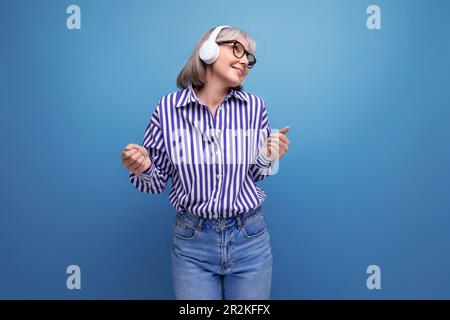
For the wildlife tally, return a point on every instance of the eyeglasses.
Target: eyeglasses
(239, 51)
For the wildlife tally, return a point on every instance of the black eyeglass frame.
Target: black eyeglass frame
(234, 42)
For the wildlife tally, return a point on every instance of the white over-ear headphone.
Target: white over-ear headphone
(209, 51)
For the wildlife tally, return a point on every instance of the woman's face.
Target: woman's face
(229, 69)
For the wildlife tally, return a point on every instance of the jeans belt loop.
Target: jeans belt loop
(239, 221)
(199, 226)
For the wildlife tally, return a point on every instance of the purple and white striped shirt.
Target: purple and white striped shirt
(214, 161)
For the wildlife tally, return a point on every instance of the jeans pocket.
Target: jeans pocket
(184, 230)
(255, 226)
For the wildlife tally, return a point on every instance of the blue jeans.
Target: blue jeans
(217, 259)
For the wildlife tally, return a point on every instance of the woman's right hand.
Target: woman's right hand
(135, 158)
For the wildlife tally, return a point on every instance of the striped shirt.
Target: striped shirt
(214, 161)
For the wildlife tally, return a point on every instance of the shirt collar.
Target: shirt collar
(188, 95)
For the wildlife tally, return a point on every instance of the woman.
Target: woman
(215, 142)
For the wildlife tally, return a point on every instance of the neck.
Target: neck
(212, 93)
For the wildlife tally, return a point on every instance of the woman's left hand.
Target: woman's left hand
(277, 144)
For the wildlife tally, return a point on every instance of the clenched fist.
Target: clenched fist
(135, 158)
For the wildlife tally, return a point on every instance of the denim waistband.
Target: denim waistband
(199, 221)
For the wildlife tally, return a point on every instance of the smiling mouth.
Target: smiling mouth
(241, 72)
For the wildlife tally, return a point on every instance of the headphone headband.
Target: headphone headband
(216, 32)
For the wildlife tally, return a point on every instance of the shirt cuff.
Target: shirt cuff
(149, 172)
(263, 161)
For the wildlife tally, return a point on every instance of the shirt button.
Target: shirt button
(219, 176)
(218, 152)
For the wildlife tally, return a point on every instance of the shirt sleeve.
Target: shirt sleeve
(262, 166)
(154, 179)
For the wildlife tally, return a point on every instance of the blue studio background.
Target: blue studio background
(365, 181)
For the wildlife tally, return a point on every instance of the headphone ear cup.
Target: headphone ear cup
(209, 52)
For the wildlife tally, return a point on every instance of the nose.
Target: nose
(244, 60)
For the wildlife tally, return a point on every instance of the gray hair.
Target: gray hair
(194, 72)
